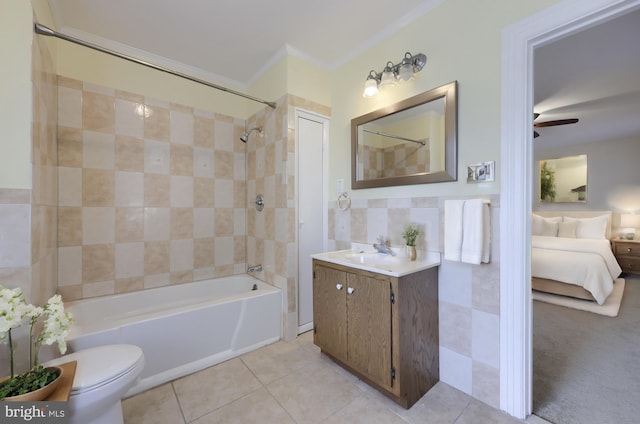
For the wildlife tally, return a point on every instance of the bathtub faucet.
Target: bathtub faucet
(255, 268)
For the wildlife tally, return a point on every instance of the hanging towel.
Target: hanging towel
(476, 232)
(453, 229)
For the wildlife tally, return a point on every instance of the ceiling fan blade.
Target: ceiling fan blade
(554, 123)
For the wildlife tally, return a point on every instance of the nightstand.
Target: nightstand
(627, 253)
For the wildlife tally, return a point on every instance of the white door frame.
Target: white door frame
(518, 43)
(324, 120)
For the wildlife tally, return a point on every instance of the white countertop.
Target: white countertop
(366, 258)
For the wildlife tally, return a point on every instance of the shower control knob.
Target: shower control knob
(339, 286)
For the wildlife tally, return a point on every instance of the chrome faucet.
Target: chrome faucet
(382, 246)
(255, 268)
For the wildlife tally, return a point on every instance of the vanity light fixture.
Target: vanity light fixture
(392, 74)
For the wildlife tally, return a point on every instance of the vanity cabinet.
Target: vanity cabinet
(384, 329)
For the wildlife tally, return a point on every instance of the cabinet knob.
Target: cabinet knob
(628, 250)
(339, 286)
(350, 290)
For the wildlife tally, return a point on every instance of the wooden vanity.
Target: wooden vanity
(382, 328)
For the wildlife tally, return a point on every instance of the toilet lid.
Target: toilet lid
(98, 365)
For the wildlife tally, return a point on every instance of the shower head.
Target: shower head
(244, 137)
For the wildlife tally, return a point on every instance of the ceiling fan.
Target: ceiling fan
(550, 123)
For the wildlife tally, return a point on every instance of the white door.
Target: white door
(312, 133)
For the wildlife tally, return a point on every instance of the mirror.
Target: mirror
(563, 180)
(413, 141)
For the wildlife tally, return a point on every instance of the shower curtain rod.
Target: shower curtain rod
(394, 136)
(43, 30)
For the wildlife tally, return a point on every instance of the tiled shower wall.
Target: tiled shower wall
(28, 216)
(151, 193)
(469, 295)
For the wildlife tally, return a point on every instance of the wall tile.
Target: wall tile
(156, 122)
(98, 263)
(69, 186)
(182, 191)
(157, 224)
(98, 150)
(182, 124)
(157, 190)
(98, 225)
(203, 222)
(129, 154)
(98, 187)
(129, 260)
(69, 226)
(486, 338)
(129, 189)
(129, 118)
(129, 224)
(98, 112)
(156, 157)
(69, 147)
(156, 259)
(181, 223)
(181, 255)
(69, 266)
(181, 160)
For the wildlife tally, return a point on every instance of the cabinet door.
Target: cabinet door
(329, 311)
(369, 327)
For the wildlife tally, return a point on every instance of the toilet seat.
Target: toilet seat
(101, 365)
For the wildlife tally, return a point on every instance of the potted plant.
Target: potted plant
(410, 234)
(36, 383)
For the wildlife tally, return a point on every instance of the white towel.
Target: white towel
(453, 229)
(476, 232)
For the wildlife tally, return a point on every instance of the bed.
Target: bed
(571, 254)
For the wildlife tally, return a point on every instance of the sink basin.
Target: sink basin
(373, 261)
(373, 258)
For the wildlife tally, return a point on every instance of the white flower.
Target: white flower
(13, 310)
(57, 324)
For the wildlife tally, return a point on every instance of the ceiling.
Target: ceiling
(234, 41)
(593, 75)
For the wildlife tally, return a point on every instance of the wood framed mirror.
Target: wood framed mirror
(413, 141)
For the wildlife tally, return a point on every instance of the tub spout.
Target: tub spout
(255, 268)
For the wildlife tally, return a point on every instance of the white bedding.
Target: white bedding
(585, 262)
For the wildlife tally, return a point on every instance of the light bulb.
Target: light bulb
(370, 88)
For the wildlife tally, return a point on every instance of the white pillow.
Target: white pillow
(550, 229)
(567, 229)
(537, 224)
(590, 228)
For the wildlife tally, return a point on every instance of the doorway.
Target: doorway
(518, 42)
(312, 140)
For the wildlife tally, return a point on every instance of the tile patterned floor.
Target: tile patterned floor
(293, 383)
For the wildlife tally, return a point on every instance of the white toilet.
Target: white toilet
(103, 375)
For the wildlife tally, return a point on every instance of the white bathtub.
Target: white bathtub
(182, 328)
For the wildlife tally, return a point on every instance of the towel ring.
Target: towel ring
(344, 201)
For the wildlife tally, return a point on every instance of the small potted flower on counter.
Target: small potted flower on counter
(410, 234)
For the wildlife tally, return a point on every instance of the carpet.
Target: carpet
(610, 307)
(586, 367)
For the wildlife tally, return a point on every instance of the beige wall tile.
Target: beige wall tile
(223, 193)
(99, 288)
(203, 132)
(129, 224)
(203, 192)
(224, 139)
(203, 252)
(70, 147)
(69, 226)
(156, 123)
(224, 222)
(98, 112)
(98, 187)
(202, 162)
(156, 258)
(223, 251)
(181, 160)
(181, 277)
(98, 263)
(69, 186)
(126, 285)
(69, 266)
(181, 255)
(69, 107)
(129, 154)
(223, 165)
(181, 223)
(69, 293)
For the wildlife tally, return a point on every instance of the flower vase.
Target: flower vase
(411, 253)
(39, 394)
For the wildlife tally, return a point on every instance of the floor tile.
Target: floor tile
(313, 393)
(481, 413)
(441, 405)
(277, 360)
(209, 389)
(257, 407)
(364, 410)
(155, 406)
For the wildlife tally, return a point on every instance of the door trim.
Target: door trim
(518, 43)
(325, 121)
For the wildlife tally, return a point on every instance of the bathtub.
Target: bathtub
(181, 328)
